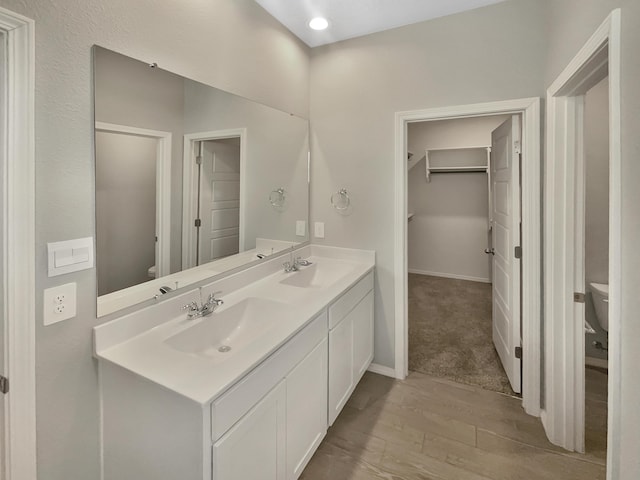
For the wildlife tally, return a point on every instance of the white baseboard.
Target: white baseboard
(382, 370)
(596, 362)
(449, 275)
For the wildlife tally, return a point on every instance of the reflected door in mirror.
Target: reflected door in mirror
(219, 200)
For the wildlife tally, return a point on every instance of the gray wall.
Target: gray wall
(569, 25)
(277, 149)
(492, 53)
(596, 130)
(129, 93)
(596, 126)
(449, 230)
(232, 44)
(125, 210)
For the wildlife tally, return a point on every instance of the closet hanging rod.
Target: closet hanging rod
(479, 147)
(471, 169)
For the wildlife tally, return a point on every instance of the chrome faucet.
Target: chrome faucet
(295, 265)
(207, 308)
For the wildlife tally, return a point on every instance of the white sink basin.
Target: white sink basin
(230, 329)
(317, 275)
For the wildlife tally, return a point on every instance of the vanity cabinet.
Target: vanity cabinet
(265, 426)
(350, 342)
(276, 439)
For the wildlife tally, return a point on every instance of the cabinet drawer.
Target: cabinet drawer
(232, 405)
(341, 307)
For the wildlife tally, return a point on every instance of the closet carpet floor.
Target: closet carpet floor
(426, 428)
(450, 332)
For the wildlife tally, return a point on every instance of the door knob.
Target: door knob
(490, 251)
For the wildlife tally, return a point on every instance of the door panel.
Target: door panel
(255, 445)
(505, 191)
(219, 233)
(306, 409)
(341, 368)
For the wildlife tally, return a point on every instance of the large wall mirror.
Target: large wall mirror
(191, 181)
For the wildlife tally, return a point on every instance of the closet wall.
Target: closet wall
(448, 231)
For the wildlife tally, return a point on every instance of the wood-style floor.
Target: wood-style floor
(425, 428)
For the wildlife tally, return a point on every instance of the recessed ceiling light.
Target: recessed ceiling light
(319, 23)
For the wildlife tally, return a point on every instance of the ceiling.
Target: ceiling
(353, 18)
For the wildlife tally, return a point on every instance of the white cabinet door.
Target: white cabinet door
(350, 353)
(363, 335)
(254, 448)
(341, 381)
(306, 409)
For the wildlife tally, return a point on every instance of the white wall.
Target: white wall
(569, 25)
(492, 53)
(232, 44)
(449, 230)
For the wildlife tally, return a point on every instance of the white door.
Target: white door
(505, 191)
(219, 232)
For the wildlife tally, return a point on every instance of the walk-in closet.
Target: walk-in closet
(450, 251)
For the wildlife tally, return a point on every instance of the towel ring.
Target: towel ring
(277, 197)
(340, 200)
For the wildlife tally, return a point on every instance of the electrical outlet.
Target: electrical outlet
(319, 230)
(59, 303)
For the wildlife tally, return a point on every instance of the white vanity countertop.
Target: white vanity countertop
(202, 378)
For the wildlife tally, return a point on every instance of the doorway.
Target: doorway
(529, 110)
(574, 286)
(460, 324)
(143, 157)
(213, 191)
(17, 201)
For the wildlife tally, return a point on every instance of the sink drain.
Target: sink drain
(224, 349)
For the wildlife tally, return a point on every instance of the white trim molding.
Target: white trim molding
(163, 188)
(563, 416)
(19, 248)
(190, 184)
(382, 370)
(531, 236)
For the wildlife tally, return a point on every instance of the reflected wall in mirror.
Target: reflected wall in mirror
(186, 175)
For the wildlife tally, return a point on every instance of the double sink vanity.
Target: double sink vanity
(247, 391)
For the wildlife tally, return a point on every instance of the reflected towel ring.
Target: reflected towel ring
(340, 200)
(277, 197)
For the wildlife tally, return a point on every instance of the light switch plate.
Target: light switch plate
(319, 230)
(70, 256)
(59, 303)
(301, 228)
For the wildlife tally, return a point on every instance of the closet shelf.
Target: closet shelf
(483, 150)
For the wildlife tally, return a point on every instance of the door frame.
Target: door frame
(163, 188)
(530, 109)
(18, 202)
(563, 416)
(189, 183)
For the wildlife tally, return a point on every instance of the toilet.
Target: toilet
(600, 294)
